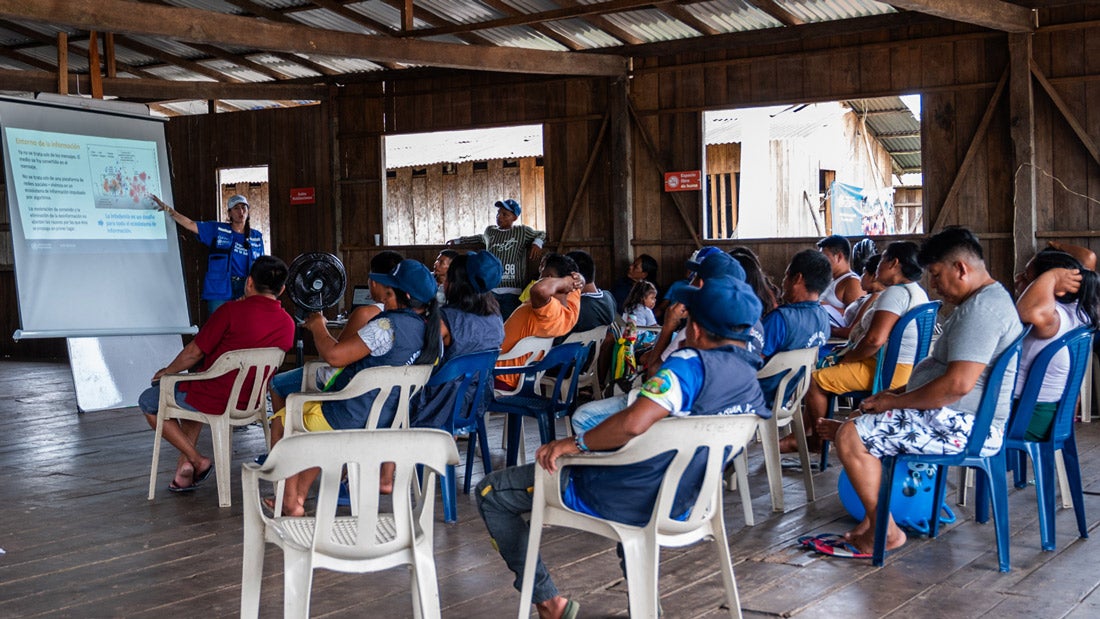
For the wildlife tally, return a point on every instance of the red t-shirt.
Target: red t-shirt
(252, 322)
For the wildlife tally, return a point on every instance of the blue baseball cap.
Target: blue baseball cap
(236, 200)
(509, 205)
(719, 264)
(412, 277)
(484, 270)
(701, 254)
(724, 306)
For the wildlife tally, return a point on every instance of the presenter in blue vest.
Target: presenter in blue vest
(713, 374)
(234, 246)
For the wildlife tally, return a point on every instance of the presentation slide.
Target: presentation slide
(79, 187)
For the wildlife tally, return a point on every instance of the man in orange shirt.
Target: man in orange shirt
(552, 311)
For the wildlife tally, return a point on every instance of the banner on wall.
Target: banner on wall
(859, 212)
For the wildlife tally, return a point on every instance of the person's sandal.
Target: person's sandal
(572, 610)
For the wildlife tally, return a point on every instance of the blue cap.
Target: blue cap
(724, 306)
(484, 270)
(509, 205)
(412, 277)
(236, 200)
(700, 255)
(720, 264)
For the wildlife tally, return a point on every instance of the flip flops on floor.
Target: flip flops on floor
(195, 481)
(832, 544)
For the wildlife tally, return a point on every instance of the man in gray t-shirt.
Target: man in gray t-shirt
(934, 413)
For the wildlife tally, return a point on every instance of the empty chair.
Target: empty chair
(565, 362)
(793, 365)
(720, 435)
(254, 368)
(368, 542)
(925, 318)
(991, 485)
(590, 375)
(469, 382)
(1078, 343)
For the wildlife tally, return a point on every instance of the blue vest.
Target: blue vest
(807, 326)
(628, 493)
(218, 235)
(408, 340)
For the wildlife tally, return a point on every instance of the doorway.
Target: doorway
(250, 182)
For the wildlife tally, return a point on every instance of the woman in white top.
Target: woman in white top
(1056, 295)
(898, 271)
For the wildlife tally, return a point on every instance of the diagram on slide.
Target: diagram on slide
(123, 177)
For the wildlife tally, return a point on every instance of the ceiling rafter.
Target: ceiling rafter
(540, 28)
(165, 90)
(436, 20)
(27, 59)
(43, 39)
(993, 14)
(516, 18)
(354, 16)
(681, 13)
(603, 24)
(193, 25)
(163, 56)
(771, 7)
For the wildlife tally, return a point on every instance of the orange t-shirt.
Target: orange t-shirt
(551, 320)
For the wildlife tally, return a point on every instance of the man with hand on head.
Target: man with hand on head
(256, 321)
(512, 244)
(713, 374)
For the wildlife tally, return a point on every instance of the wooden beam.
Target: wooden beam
(1021, 101)
(172, 59)
(603, 24)
(437, 20)
(165, 90)
(44, 39)
(62, 63)
(1067, 113)
(94, 71)
(622, 171)
(781, 14)
(408, 16)
(542, 29)
(123, 16)
(993, 14)
(515, 18)
(680, 13)
(356, 17)
(109, 54)
(951, 201)
(588, 167)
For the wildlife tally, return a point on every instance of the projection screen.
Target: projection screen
(93, 256)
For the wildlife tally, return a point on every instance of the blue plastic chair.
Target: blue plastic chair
(925, 317)
(474, 371)
(992, 467)
(565, 362)
(1079, 344)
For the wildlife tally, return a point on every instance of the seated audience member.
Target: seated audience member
(801, 322)
(597, 306)
(861, 251)
(256, 321)
(552, 311)
(644, 267)
(899, 272)
(285, 383)
(639, 305)
(1056, 295)
(934, 413)
(407, 332)
(844, 287)
(1084, 255)
(762, 285)
(854, 313)
(512, 244)
(471, 323)
(439, 270)
(712, 375)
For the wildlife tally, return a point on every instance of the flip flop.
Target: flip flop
(172, 487)
(841, 549)
(201, 477)
(807, 541)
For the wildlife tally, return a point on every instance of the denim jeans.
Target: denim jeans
(590, 415)
(503, 498)
(149, 400)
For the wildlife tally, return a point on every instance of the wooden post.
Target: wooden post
(622, 182)
(1021, 101)
(407, 14)
(62, 63)
(109, 54)
(93, 65)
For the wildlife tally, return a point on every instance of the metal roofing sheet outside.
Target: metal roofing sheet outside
(420, 149)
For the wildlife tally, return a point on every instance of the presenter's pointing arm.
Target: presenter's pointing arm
(178, 217)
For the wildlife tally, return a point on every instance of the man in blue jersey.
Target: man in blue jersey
(714, 374)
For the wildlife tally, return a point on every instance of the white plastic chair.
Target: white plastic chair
(533, 348)
(641, 545)
(369, 542)
(260, 363)
(787, 411)
(590, 377)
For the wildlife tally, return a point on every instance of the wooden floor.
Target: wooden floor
(81, 540)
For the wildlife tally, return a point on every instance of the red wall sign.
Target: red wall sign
(683, 181)
(303, 195)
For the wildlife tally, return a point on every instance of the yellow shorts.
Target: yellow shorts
(856, 376)
(312, 417)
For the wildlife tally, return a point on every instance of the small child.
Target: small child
(639, 304)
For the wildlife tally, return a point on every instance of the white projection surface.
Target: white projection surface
(93, 256)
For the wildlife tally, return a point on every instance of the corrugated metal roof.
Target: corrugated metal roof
(895, 122)
(830, 10)
(420, 149)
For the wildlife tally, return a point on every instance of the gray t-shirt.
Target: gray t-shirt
(978, 330)
(898, 300)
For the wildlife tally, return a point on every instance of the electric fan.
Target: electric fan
(316, 281)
